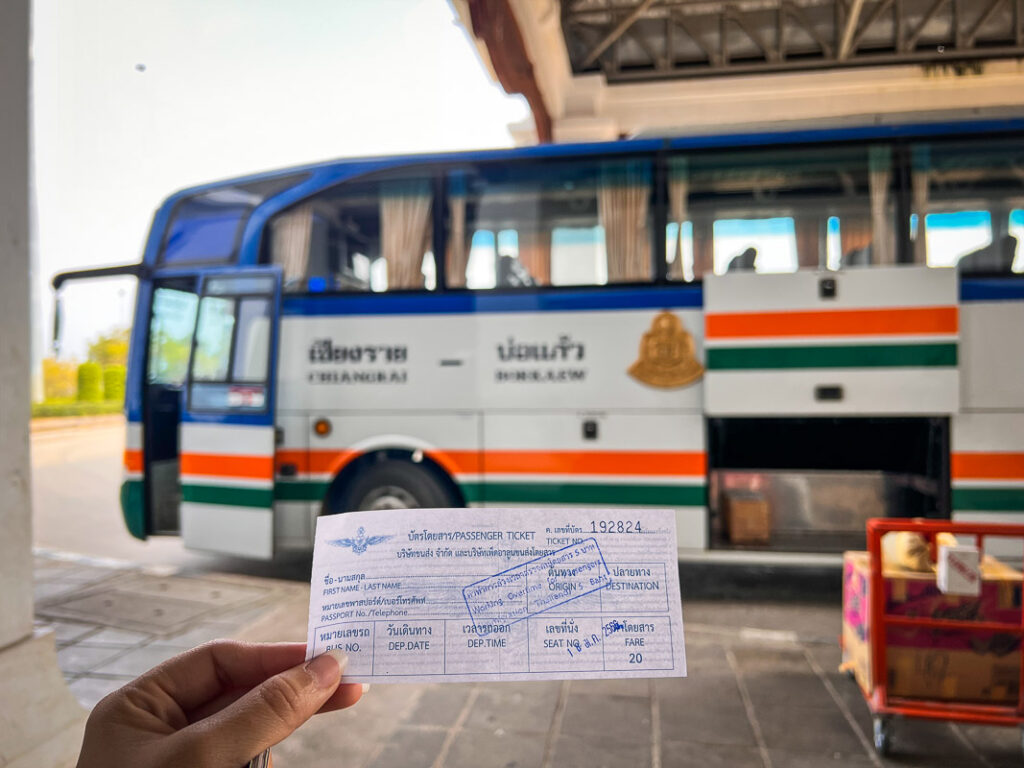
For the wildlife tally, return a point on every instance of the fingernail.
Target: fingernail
(339, 656)
(327, 668)
(366, 687)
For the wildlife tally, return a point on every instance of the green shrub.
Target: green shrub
(113, 383)
(90, 382)
(50, 408)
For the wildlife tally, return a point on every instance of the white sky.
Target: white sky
(229, 87)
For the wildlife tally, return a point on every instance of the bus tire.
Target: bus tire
(394, 484)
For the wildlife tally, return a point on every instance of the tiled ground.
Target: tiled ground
(763, 687)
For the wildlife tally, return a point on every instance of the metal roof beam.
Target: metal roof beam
(925, 20)
(616, 33)
(881, 8)
(797, 14)
(769, 51)
(680, 21)
(845, 46)
(972, 34)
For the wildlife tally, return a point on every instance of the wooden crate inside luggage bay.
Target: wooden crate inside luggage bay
(748, 518)
(931, 664)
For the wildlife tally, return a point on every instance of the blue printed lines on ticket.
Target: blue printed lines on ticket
(536, 586)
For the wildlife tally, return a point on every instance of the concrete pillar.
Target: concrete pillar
(40, 722)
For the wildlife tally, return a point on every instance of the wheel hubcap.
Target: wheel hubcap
(389, 497)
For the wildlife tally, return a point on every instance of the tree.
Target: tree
(60, 379)
(110, 348)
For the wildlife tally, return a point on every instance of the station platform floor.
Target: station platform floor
(763, 688)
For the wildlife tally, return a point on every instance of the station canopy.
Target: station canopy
(635, 40)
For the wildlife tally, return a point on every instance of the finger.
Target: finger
(269, 712)
(197, 676)
(346, 695)
(343, 698)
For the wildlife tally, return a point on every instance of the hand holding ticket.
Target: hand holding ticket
(459, 595)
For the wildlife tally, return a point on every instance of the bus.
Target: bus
(776, 335)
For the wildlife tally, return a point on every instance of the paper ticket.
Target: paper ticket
(460, 595)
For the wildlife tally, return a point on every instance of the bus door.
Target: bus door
(151, 448)
(227, 415)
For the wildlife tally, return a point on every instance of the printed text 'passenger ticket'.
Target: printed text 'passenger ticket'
(498, 594)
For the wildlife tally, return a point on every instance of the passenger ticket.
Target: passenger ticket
(459, 595)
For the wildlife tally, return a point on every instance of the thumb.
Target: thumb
(273, 710)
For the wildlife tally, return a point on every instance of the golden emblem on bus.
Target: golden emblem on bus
(668, 356)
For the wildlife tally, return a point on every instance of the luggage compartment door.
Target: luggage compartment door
(881, 340)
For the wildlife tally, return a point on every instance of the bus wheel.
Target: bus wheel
(395, 485)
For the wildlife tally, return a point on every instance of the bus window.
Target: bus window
(1017, 230)
(578, 256)
(170, 336)
(252, 347)
(965, 201)
(764, 245)
(560, 223)
(951, 236)
(363, 235)
(207, 227)
(213, 339)
(779, 211)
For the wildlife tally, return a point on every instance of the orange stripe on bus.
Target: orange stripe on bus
(459, 462)
(316, 462)
(521, 462)
(842, 322)
(133, 460)
(579, 462)
(217, 465)
(988, 466)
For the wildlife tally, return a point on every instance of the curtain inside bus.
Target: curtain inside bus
(291, 237)
(405, 230)
(623, 198)
(457, 257)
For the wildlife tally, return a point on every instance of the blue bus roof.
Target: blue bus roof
(628, 146)
(319, 176)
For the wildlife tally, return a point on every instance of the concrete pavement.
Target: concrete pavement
(76, 477)
(763, 689)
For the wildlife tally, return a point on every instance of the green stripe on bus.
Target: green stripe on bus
(300, 490)
(989, 499)
(586, 493)
(853, 356)
(133, 507)
(228, 495)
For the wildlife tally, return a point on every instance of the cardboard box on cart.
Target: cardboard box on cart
(935, 664)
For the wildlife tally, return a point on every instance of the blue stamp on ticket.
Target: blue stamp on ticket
(536, 586)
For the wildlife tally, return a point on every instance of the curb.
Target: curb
(54, 423)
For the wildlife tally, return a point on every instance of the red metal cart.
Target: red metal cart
(883, 706)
